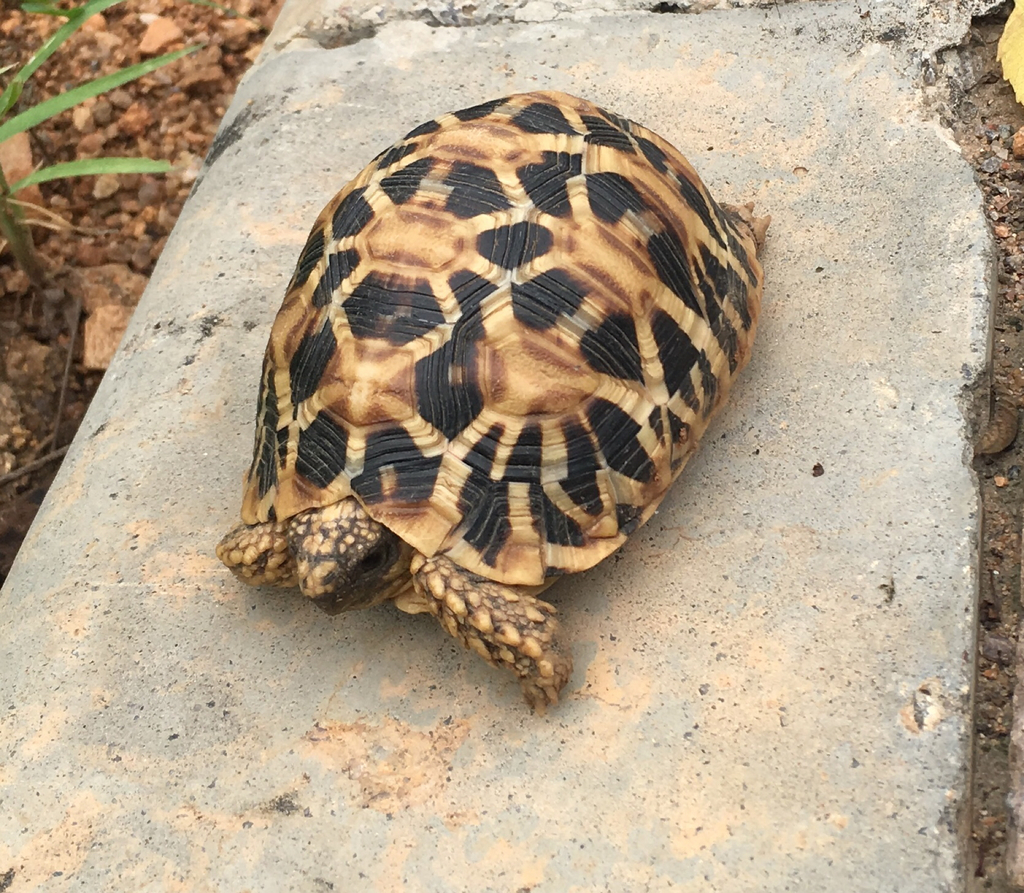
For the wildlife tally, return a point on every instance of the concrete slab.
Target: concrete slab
(772, 681)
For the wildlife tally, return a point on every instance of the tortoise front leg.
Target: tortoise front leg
(506, 625)
(258, 554)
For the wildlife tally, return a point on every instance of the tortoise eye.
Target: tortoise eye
(373, 560)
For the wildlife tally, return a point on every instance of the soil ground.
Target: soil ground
(99, 239)
(986, 121)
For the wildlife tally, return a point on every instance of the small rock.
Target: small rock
(1018, 144)
(16, 162)
(165, 219)
(135, 120)
(236, 33)
(89, 146)
(1000, 481)
(109, 284)
(102, 112)
(13, 21)
(990, 165)
(119, 252)
(150, 193)
(208, 75)
(106, 185)
(161, 33)
(87, 255)
(102, 332)
(95, 23)
(142, 258)
(1002, 231)
(25, 364)
(997, 649)
(106, 42)
(10, 414)
(192, 169)
(81, 117)
(15, 280)
(967, 110)
(119, 98)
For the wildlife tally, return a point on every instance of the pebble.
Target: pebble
(26, 366)
(81, 117)
(102, 112)
(142, 258)
(109, 284)
(13, 21)
(95, 22)
(88, 255)
(16, 162)
(150, 193)
(119, 98)
(1018, 144)
(235, 33)
(106, 42)
(106, 185)
(997, 649)
(90, 144)
(101, 334)
(205, 76)
(135, 119)
(991, 164)
(160, 33)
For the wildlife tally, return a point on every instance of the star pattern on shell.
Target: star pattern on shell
(505, 337)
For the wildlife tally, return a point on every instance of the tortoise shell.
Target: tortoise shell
(505, 338)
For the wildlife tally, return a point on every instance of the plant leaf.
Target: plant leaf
(29, 118)
(76, 17)
(43, 8)
(1011, 51)
(88, 166)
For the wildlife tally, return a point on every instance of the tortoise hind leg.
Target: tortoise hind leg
(506, 625)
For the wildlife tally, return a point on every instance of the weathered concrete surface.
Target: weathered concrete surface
(772, 678)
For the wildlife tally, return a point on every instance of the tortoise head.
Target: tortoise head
(755, 228)
(345, 560)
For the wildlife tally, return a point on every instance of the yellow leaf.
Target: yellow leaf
(1011, 51)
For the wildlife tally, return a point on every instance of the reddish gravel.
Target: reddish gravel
(99, 237)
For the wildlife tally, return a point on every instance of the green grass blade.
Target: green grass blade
(76, 17)
(41, 7)
(57, 104)
(90, 166)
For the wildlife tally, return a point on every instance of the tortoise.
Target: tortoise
(501, 344)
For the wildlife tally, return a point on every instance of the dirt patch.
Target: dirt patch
(99, 237)
(987, 123)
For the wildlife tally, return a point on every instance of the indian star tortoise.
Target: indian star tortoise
(502, 342)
